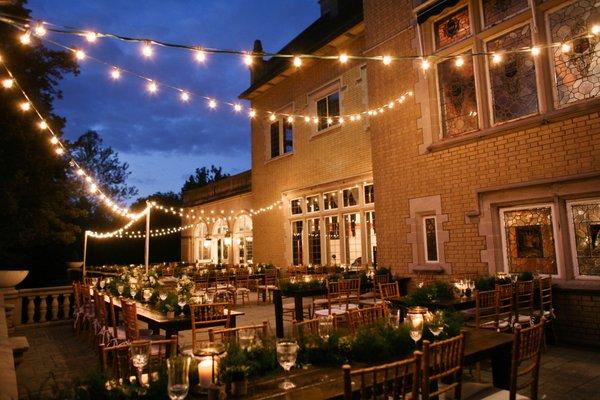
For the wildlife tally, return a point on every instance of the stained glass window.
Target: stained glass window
(297, 242)
(353, 238)
(431, 250)
(296, 206)
(457, 97)
(513, 85)
(332, 239)
(578, 70)
(330, 200)
(586, 231)
(495, 11)
(312, 203)
(452, 28)
(350, 197)
(529, 239)
(314, 242)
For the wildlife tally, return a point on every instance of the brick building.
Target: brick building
(492, 165)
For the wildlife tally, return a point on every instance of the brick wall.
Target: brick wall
(578, 312)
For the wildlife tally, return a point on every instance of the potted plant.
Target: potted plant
(236, 379)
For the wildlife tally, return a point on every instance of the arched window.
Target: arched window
(221, 242)
(200, 243)
(242, 240)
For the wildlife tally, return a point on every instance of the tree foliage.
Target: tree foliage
(203, 176)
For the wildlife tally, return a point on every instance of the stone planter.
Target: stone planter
(11, 278)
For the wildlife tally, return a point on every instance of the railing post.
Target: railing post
(43, 307)
(30, 309)
(54, 307)
(66, 305)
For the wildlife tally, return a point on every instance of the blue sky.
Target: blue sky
(161, 138)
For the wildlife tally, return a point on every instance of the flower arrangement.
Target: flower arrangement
(185, 285)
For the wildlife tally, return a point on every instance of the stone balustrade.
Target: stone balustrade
(42, 305)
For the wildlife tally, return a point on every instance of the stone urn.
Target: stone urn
(11, 278)
(8, 280)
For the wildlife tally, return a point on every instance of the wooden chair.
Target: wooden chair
(115, 362)
(205, 315)
(486, 311)
(242, 286)
(338, 300)
(364, 316)
(397, 380)
(227, 334)
(352, 289)
(102, 332)
(308, 326)
(373, 293)
(442, 361)
(132, 332)
(269, 284)
(524, 302)
(506, 306)
(546, 309)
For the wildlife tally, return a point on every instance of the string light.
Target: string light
(152, 87)
(459, 62)
(185, 97)
(43, 125)
(596, 30)
(535, 51)
(147, 50)
(7, 83)
(565, 47)
(251, 113)
(115, 74)
(387, 60)
(60, 151)
(237, 107)
(290, 119)
(25, 38)
(91, 36)
(25, 106)
(80, 55)
(425, 64)
(39, 29)
(200, 56)
(307, 119)
(272, 117)
(496, 58)
(248, 60)
(343, 58)
(54, 140)
(212, 104)
(297, 62)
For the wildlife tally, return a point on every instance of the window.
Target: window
(513, 85)
(201, 245)
(297, 242)
(496, 11)
(576, 72)
(584, 226)
(275, 139)
(330, 200)
(371, 238)
(430, 239)
(288, 137)
(369, 194)
(457, 97)
(452, 28)
(296, 206)
(353, 239)
(327, 108)
(312, 203)
(332, 240)
(350, 197)
(314, 242)
(242, 237)
(222, 240)
(528, 239)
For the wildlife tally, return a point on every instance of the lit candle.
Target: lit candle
(205, 371)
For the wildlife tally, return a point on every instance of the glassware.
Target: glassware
(102, 284)
(209, 354)
(120, 289)
(435, 322)
(94, 281)
(181, 303)
(162, 295)
(140, 353)
(147, 293)
(325, 326)
(133, 291)
(287, 351)
(414, 319)
(178, 369)
(246, 338)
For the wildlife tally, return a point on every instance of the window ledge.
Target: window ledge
(434, 268)
(575, 110)
(325, 131)
(582, 286)
(279, 157)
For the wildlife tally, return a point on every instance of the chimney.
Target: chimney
(329, 7)
(257, 66)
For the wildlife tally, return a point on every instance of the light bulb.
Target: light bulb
(596, 29)
(79, 54)
(212, 104)
(358, 117)
(252, 113)
(329, 121)
(290, 119)
(315, 120)
(25, 106)
(237, 107)
(272, 117)
(115, 74)
(43, 125)
(352, 118)
(297, 62)
(7, 83)
(343, 58)
(185, 97)
(59, 150)
(25, 38)
(391, 104)
(93, 188)
(54, 140)
(147, 50)
(565, 47)
(152, 87)
(535, 51)
(39, 29)
(496, 58)
(80, 172)
(91, 36)
(248, 60)
(341, 120)
(387, 60)
(200, 56)
(425, 65)
(307, 119)
(459, 62)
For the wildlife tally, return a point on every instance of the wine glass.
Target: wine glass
(133, 291)
(325, 326)
(147, 293)
(162, 295)
(415, 323)
(140, 353)
(94, 281)
(178, 369)
(120, 289)
(246, 338)
(181, 303)
(102, 284)
(435, 322)
(287, 351)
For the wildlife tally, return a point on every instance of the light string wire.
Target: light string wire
(31, 25)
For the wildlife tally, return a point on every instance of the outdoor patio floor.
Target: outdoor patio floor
(56, 357)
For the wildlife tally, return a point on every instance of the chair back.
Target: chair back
(523, 298)
(308, 327)
(506, 305)
(351, 287)
(526, 355)
(115, 362)
(77, 296)
(242, 279)
(545, 291)
(113, 315)
(337, 295)
(397, 380)
(100, 308)
(129, 312)
(228, 334)
(204, 315)
(442, 360)
(486, 309)
(364, 316)
(382, 278)
(389, 291)
(271, 277)
(162, 349)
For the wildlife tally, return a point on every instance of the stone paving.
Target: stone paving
(56, 357)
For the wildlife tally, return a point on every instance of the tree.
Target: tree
(35, 192)
(203, 176)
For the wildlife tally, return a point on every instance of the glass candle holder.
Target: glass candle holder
(209, 354)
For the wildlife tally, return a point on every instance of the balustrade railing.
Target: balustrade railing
(43, 305)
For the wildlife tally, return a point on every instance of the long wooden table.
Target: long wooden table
(157, 320)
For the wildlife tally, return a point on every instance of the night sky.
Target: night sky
(161, 138)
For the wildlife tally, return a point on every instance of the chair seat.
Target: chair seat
(242, 290)
(370, 302)
(320, 301)
(336, 310)
(547, 313)
(524, 319)
(267, 287)
(368, 295)
(502, 324)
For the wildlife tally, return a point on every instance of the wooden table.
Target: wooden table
(327, 382)
(157, 320)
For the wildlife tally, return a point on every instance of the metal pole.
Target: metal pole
(147, 247)
(85, 241)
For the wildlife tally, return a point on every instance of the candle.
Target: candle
(205, 371)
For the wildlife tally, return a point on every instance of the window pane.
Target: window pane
(322, 113)
(495, 11)
(288, 137)
(457, 96)
(296, 206)
(577, 71)
(312, 203)
(529, 239)
(371, 237)
(431, 251)
(353, 239)
(369, 194)
(314, 242)
(330, 200)
(350, 197)
(333, 240)
(452, 28)
(514, 91)
(586, 230)
(274, 139)
(333, 104)
(297, 242)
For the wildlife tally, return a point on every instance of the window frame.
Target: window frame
(302, 248)
(365, 193)
(317, 196)
(299, 199)
(425, 245)
(572, 242)
(357, 197)
(335, 118)
(337, 201)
